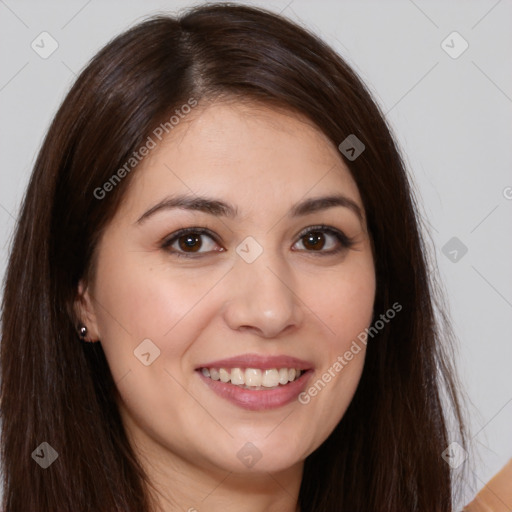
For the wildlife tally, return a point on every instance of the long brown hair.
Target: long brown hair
(385, 454)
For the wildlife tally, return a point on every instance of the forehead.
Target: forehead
(253, 156)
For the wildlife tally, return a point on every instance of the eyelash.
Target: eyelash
(344, 240)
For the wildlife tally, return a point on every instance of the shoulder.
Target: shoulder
(496, 496)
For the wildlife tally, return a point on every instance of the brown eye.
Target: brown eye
(314, 240)
(324, 240)
(191, 242)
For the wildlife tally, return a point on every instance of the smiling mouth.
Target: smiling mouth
(254, 379)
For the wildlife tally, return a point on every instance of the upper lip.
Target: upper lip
(259, 361)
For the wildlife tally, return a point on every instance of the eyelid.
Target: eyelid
(345, 241)
(170, 239)
(328, 229)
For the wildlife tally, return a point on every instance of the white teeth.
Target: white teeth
(225, 376)
(270, 378)
(237, 376)
(253, 378)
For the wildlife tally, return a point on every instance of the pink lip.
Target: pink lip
(259, 361)
(257, 400)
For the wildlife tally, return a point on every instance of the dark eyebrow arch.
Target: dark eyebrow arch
(194, 203)
(322, 203)
(222, 209)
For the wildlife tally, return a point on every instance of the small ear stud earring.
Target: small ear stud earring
(82, 330)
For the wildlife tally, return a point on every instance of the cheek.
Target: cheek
(345, 305)
(141, 302)
(345, 302)
(145, 300)
(136, 301)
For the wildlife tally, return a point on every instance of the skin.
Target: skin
(291, 300)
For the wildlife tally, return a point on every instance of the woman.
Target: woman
(218, 296)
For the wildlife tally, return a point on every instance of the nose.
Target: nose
(262, 297)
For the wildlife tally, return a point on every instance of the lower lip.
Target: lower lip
(258, 400)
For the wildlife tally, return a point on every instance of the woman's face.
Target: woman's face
(255, 291)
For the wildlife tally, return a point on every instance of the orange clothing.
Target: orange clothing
(496, 496)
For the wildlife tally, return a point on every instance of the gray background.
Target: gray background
(452, 118)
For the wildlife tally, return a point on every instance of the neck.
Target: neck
(179, 485)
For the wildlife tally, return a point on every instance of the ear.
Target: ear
(85, 312)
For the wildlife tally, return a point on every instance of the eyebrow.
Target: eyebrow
(220, 208)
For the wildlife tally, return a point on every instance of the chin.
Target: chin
(262, 455)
